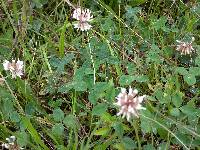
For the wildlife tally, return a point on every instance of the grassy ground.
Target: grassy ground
(65, 97)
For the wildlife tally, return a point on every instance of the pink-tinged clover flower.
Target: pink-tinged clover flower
(129, 103)
(185, 48)
(83, 16)
(16, 68)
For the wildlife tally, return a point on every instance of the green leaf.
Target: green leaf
(197, 61)
(181, 71)
(58, 115)
(22, 138)
(149, 147)
(79, 86)
(102, 131)
(194, 71)
(126, 80)
(110, 92)
(190, 110)
(177, 99)
(129, 143)
(190, 79)
(142, 78)
(99, 109)
(65, 88)
(60, 63)
(70, 121)
(131, 68)
(160, 96)
(159, 23)
(14, 116)
(119, 129)
(153, 55)
(98, 91)
(175, 112)
(26, 122)
(58, 129)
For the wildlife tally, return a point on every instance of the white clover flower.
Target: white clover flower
(11, 144)
(16, 68)
(83, 16)
(129, 103)
(185, 48)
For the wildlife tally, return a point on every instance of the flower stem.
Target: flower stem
(92, 60)
(135, 126)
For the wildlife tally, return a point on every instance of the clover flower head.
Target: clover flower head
(16, 68)
(185, 48)
(11, 144)
(129, 103)
(83, 16)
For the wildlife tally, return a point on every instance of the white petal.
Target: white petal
(123, 90)
(20, 65)
(120, 95)
(140, 107)
(128, 116)
(119, 113)
(7, 146)
(6, 65)
(130, 91)
(124, 114)
(76, 25)
(135, 91)
(193, 39)
(141, 98)
(13, 138)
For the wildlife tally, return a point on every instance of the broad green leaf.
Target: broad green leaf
(65, 88)
(126, 80)
(79, 86)
(175, 112)
(194, 71)
(129, 143)
(22, 138)
(159, 23)
(142, 78)
(149, 147)
(119, 129)
(58, 129)
(93, 97)
(189, 79)
(102, 131)
(177, 99)
(59, 64)
(14, 116)
(110, 92)
(70, 121)
(181, 71)
(162, 132)
(98, 91)
(190, 110)
(99, 109)
(58, 115)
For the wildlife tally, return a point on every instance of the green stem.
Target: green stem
(135, 126)
(93, 64)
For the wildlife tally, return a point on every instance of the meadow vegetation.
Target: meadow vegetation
(100, 74)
